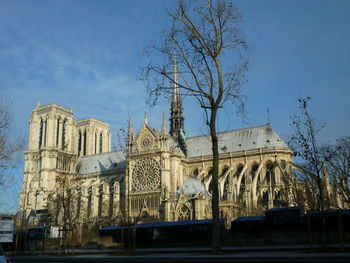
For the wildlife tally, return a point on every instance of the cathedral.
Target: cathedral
(161, 175)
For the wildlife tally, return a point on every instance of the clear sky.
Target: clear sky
(85, 55)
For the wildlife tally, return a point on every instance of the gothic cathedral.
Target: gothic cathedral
(161, 175)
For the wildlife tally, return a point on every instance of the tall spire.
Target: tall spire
(145, 118)
(175, 95)
(176, 116)
(130, 131)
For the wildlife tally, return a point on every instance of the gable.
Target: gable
(146, 139)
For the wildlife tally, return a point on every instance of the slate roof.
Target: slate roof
(229, 141)
(236, 140)
(101, 162)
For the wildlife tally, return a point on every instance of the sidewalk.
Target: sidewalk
(302, 249)
(174, 255)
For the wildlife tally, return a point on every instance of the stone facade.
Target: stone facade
(158, 177)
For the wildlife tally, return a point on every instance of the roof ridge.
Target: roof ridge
(228, 131)
(100, 154)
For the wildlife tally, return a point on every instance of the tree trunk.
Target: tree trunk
(216, 238)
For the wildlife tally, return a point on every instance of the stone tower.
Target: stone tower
(55, 143)
(50, 150)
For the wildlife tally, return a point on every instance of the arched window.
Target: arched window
(111, 198)
(100, 199)
(89, 202)
(84, 151)
(58, 132)
(227, 190)
(265, 198)
(45, 132)
(64, 134)
(78, 202)
(79, 142)
(270, 173)
(95, 142)
(101, 139)
(41, 132)
(184, 213)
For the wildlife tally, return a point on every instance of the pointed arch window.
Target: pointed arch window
(84, 151)
(78, 202)
(100, 200)
(89, 202)
(58, 132)
(95, 142)
(184, 214)
(64, 126)
(41, 132)
(111, 198)
(101, 142)
(45, 132)
(270, 173)
(79, 143)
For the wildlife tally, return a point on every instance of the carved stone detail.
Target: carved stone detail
(146, 175)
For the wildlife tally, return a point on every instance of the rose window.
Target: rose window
(146, 175)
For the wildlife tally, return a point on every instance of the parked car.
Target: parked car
(3, 258)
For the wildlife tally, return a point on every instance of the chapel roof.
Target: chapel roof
(192, 186)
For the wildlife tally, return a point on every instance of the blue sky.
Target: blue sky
(85, 55)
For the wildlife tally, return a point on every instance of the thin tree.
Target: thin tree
(9, 146)
(206, 39)
(306, 145)
(338, 164)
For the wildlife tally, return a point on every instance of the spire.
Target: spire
(176, 116)
(164, 129)
(268, 116)
(145, 118)
(175, 96)
(130, 131)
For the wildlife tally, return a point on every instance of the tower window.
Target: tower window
(45, 131)
(64, 134)
(84, 152)
(101, 139)
(79, 142)
(41, 132)
(95, 143)
(58, 132)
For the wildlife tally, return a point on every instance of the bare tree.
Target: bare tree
(62, 204)
(338, 164)
(8, 145)
(206, 40)
(305, 144)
